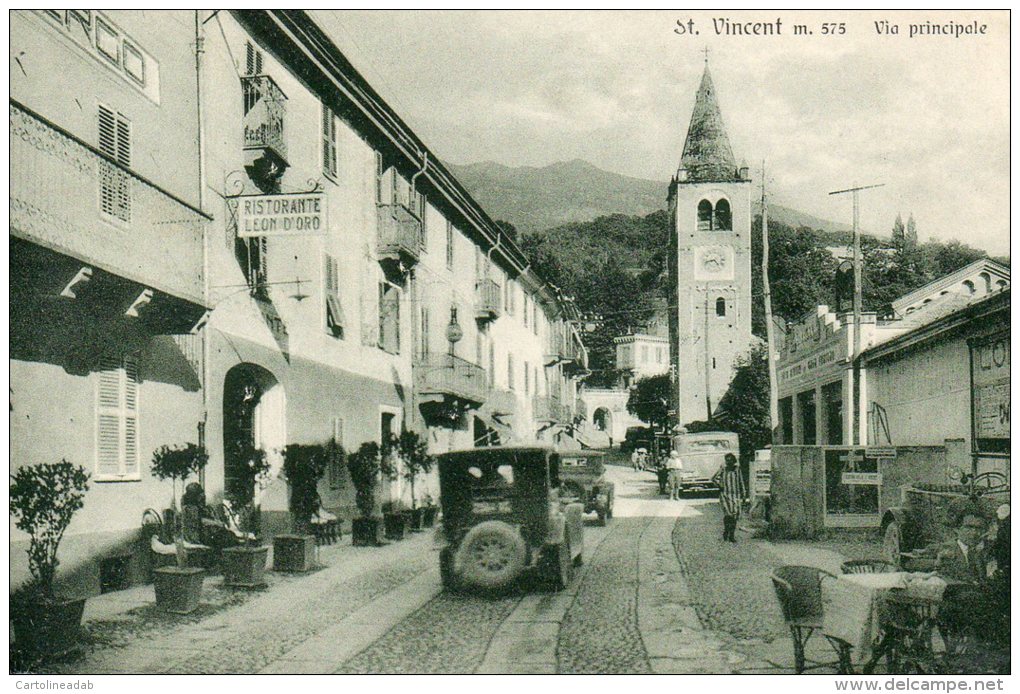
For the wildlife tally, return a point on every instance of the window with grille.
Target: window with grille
(114, 182)
(329, 163)
(335, 320)
(389, 317)
(117, 419)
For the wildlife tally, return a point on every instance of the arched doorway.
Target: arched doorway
(254, 416)
(603, 420)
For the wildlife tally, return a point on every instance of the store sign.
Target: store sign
(294, 214)
(861, 478)
(990, 377)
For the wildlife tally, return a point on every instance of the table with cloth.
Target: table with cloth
(856, 607)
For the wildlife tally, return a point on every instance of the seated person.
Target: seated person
(200, 526)
(967, 604)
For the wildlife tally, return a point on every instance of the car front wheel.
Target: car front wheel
(892, 541)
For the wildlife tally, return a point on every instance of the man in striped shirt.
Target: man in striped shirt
(731, 495)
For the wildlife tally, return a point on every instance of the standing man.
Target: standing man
(731, 495)
(674, 467)
(635, 459)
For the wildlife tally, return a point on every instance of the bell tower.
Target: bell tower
(710, 262)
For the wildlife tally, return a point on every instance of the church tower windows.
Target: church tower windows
(723, 219)
(704, 216)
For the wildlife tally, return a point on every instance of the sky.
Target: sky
(927, 116)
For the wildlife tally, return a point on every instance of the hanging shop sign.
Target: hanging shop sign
(292, 214)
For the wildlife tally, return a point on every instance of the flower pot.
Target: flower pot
(396, 525)
(178, 589)
(47, 628)
(244, 567)
(429, 514)
(366, 532)
(293, 552)
(415, 519)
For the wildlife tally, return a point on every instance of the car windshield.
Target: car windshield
(707, 445)
(497, 475)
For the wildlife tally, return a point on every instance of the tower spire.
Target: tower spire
(707, 154)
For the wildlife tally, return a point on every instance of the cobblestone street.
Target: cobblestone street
(630, 609)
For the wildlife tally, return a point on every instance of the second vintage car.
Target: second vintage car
(584, 477)
(505, 519)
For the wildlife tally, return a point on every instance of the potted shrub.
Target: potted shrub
(364, 466)
(416, 460)
(429, 511)
(43, 499)
(395, 520)
(178, 588)
(303, 466)
(245, 566)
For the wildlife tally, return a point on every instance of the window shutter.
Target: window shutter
(117, 418)
(253, 59)
(329, 166)
(130, 416)
(123, 141)
(379, 171)
(107, 132)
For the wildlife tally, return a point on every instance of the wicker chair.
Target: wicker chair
(868, 566)
(799, 590)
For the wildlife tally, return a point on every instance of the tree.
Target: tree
(650, 399)
(898, 235)
(745, 406)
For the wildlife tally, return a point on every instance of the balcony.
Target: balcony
(68, 198)
(563, 346)
(445, 378)
(400, 237)
(549, 409)
(487, 299)
(265, 117)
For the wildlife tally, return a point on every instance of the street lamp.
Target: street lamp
(454, 332)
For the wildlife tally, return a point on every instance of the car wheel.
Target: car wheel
(892, 541)
(491, 555)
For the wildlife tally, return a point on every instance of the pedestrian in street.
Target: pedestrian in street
(731, 495)
(674, 468)
(635, 459)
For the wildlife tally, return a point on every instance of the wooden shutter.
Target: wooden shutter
(114, 184)
(329, 166)
(117, 418)
(253, 59)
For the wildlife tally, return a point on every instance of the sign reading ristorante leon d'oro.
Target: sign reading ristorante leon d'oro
(281, 215)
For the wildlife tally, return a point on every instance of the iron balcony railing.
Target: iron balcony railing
(265, 116)
(68, 196)
(487, 299)
(450, 376)
(400, 235)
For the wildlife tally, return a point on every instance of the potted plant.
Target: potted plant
(395, 520)
(244, 566)
(364, 466)
(178, 588)
(416, 460)
(43, 499)
(303, 466)
(429, 510)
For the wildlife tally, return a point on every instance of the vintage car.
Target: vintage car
(912, 531)
(584, 477)
(506, 521)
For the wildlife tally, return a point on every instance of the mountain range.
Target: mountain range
(534, 199)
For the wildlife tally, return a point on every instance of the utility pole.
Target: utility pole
(855, 433)
(769, 330)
